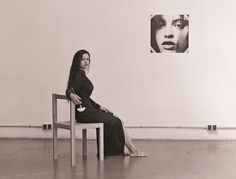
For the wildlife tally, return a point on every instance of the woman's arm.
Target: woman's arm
(98, 106)
(75, 98)
(95, 104)
(75, 85)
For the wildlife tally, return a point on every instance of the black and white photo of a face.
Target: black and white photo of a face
(169, 33)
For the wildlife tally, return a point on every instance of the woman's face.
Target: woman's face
(85, 60)
(172, 36)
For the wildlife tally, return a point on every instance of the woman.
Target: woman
(79, 90)
(169, 34)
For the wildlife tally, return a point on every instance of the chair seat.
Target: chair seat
(67, 125)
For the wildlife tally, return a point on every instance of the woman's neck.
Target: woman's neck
(82, 69)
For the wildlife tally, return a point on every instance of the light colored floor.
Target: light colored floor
(32, 158)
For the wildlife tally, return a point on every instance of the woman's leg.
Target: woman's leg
(130, 145)
(128, 142)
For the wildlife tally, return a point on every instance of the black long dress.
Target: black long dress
(114, 139)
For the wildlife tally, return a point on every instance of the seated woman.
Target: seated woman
(79, 90)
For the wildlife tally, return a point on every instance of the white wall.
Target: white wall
(39, 39)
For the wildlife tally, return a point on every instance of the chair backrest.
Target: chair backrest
(56, 97)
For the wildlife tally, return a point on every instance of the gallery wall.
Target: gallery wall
(39, 39)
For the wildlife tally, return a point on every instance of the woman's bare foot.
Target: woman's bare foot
(138, 153)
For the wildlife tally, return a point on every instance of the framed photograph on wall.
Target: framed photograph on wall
(169, 33)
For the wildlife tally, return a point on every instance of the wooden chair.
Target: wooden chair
(71, 125)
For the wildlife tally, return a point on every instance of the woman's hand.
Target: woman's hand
(108, 111)
(75, 98)
(105, 109)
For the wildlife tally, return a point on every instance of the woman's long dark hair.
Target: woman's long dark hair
(155, 25)
(76, 64)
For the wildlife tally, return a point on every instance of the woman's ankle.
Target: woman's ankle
(134, 151)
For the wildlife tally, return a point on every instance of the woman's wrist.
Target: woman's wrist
(71, 94)
(72, 97)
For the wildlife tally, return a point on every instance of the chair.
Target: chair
(71, 125)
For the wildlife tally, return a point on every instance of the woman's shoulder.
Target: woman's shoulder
(79, 73)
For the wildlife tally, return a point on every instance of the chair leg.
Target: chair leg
(97, 137)
(101, 144)
(73, 147)
(84, 142)
(54, 119)
(54, 143)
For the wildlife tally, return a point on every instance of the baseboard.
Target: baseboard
(135, 133)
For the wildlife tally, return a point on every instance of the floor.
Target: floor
(32, 158)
